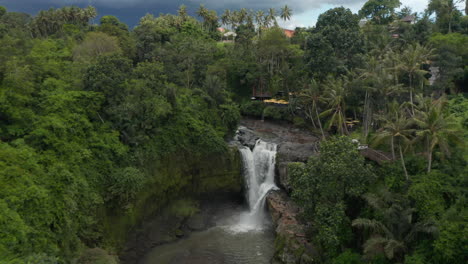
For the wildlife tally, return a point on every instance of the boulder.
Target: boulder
(246, 137)
(296, 152)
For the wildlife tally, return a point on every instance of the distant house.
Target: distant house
(409, 19)
(363, 22)
(227, 36)
(395, 28)
(260, 91)
(289, 33)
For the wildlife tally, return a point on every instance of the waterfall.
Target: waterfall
(259, 173)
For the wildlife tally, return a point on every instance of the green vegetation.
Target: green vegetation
(101, 125)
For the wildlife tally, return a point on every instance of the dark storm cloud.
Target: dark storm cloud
(130, 11)
(299, 5)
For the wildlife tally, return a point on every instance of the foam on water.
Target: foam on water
(259, 173)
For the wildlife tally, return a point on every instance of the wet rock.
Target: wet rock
(294, 144)
(282, 176)
(197, 222)
(97, 255)
(296, 152)
(291, 245)
(247, 137)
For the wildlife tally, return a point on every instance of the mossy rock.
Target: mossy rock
(97, 256)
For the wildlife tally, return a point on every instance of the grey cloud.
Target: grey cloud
(298, 6)
(129, 11)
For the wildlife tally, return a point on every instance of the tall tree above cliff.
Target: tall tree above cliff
(380, 11)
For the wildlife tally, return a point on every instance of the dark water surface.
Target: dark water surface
(229, 242)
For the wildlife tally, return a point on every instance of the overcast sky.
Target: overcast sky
(305, 11)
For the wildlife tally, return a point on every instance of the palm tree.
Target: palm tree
(286, 13)
(396, 129)
(436, 128)
(271, 17)
(250, 18)
(311, 96)
(410, 62)
(393, 233)
(203, 13)
(242, 15)
(335, 95)
(226, 17)
(182, 12)
(378, 88)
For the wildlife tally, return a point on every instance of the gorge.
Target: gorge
(229, 230)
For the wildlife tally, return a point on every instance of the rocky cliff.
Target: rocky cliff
(291, 244)
(294, 145)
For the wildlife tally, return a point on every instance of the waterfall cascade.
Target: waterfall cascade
(259, 173)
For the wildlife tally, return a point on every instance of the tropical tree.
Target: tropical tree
(182, 12)
(202, 12)
(446, 12)
(271, 17)
(378, 86)
(410, 63)
(393, 233)
(311, 97)
(260, 18)
(397, 130)
(286, 13)
(379, 11)
(226, 17)
(334, 97)
(435, 127)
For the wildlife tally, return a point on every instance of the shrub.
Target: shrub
(347, 257)
(253, 108)
(124, 185)
(274, 112)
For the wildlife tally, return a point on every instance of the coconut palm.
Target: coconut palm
(202, 12)
(249, 18)
(226, 17)
(378, 86)
(394, 232)
(410, 62)
(260, 18)
(182, 12)
(271, 17)
(310, 97)
(286, 13)
(397, 130)
(334, 97)
(242, 15)
(436, 129)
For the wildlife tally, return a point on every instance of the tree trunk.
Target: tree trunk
(392, 143)
(364, 117)
(411, 95)
(344, 121)
(429, 161)
(310, 115)
(320, 123)
(403, 162)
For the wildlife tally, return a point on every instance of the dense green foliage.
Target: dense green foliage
(328, 185)
(88, 126)
(101, 125)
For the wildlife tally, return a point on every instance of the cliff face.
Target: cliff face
(294, 145)
(291, 245)
(181, 182)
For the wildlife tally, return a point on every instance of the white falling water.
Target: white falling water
(259, 173)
